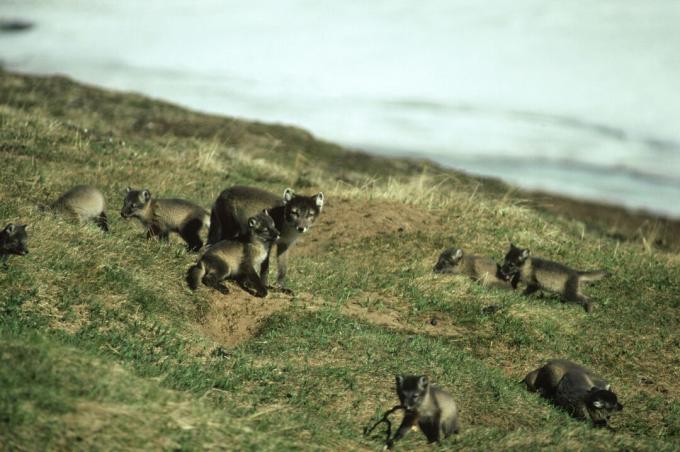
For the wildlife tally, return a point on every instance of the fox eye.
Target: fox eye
(295, 212)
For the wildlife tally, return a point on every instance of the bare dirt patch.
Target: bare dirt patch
(235, 317)
(343, 221)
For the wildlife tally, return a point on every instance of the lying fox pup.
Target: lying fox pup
(83, 202)
(576, 389)
(481, 269)
(539, 273)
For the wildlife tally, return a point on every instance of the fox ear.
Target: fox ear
(146, 194)
(265, 211)
(9, 228)
(459, 253)
(400, 380)
(598, 404)
(288, 195)
(252, 222)
(423, 382)
(128, 190)
(525, 254)
(318, 198)
(608, 387)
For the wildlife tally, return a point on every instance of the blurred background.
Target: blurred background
(580, 98)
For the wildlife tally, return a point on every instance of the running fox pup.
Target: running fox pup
(576, 389)
(481, 269)
(293, 215)
(13, 241)
(539, 273)
(162, 216)
(83, 202)
(426, 405)
(237, 259)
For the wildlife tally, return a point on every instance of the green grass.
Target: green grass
(104, 347)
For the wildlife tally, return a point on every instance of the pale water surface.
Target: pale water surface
(578, 97)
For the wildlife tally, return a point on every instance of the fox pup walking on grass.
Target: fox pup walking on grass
(576, 389)
(162, 216)
(426, 405)
(83, 202)
(237, 259)
(13, 241)
(293, 215)
(481, 269)
(539, 273)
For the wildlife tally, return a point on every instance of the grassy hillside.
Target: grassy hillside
(104, 347)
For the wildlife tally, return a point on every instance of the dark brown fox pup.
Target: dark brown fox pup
(13, 240)
(84, 203)
(237, 259)
(293, 215)
(426, 405)
(162, 216)
(576, 389)
(539, 273)
(481, 269)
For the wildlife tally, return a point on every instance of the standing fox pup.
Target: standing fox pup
(481, 269)
(162, 216)
(432, 408)
(237, 259)
(292, 214)
(539, 273)
(576, 389)
(13, 241)
(83, 202)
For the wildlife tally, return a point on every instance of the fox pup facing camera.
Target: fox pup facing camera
(539, 273)
(479, 268)
(13, 240)
(83, 202)
(576, 389)
(426, 405)
(237, 259)
(293, 216)
(162, 216)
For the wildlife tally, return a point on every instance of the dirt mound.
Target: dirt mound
(235, 317)
(343, 221)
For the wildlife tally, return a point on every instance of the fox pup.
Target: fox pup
(481, 269)
(576, 389)
(293, 215)
(432, 408)
(539, 273)
(237, 259)
(13, 240)
(162, 216)
(83, 202)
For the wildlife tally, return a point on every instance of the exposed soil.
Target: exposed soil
(235, 317)
(343, 221)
